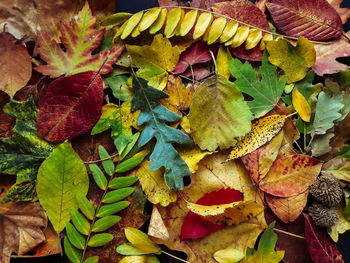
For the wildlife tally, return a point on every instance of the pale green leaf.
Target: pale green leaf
(105, 222)
(117, 195)
(99, 240)
(79, 221)
(71, 252)
(85, 206)
(98, 176)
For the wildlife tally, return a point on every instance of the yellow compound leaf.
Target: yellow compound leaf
(263, 130)
(158, 24)
(216, 29)
(173, 20)
(229, 214)
(131, 24)
(266, 38)
(120, 30)
(341, 226)
(301, 105)
(222, 62)
(253, 38)
(188, 22)
(229, 31)
(294, 60)
(204, 21)
(149, 18)
(240, 36)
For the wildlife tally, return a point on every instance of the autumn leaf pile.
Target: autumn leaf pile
(221, 127)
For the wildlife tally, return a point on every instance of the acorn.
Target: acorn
(323, 216)
(327, 190)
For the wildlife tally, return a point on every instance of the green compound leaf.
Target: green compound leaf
(155, 116)
(75, 237)
(266, 91)
(129, 164)
(85, 206)
(79, 221)
(93, 259)
(117, 195)
(23, 153)
(107, 164)
(71, 252)
(61, 176)
(121, 182)
(99, 177)
(99, 240)
(218, 114)
(107, 210)
(105, 222)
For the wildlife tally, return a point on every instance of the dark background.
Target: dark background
(133, 6)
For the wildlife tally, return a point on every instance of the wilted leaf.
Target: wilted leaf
(320, 246)
(262, 131)
(79, 39)
(320, 145)
(58, 119)
(16, 66)
(291, 175)
(218, 105)
(313, 19)
(22, 229)
(338, 167)
(294, 60)
(60, 177)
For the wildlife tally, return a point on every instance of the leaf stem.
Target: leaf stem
(288, 233)
(101, 160)
(180, 259)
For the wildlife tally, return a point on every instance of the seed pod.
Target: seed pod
(323, 216)
(327, 190)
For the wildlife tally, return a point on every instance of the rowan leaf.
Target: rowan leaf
(262, 131)
(155, 61)
(173, 21)
(60, 178)
(266, 91)
(155, 116)
(148, 18)
(23, 153)
(63, 119)
(218, 105)
(203, 22)
(294, 60)
(80, 39)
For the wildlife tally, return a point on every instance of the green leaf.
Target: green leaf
(119, 87)
(108, 164)
(80, 222)
(99, 177)
(347, 209)
(218, 106)
(136, 249)
(99, 240)
(71, 252)
(131, 148)
(129, 164)
(327, 111)
(155, 116)
(117, 195)
(61, 176)
(265, 91)
(107, 210)
(75, 237)
(93, 259)
(121, 182)
(105, 222)
(85, 206)
(345, 152)
(23, 153)
(266, 249)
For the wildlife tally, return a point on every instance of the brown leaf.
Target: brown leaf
(21, 229)
(6, 121)
(313, 19)
(16, 65)
(343, 12)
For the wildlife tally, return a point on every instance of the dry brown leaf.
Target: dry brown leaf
(6, 121)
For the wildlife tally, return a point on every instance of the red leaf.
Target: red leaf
(6, 121)
(196, 53)
(320, 246)
(313, 19)
(200, 71)
(194, 226)
(71, 106)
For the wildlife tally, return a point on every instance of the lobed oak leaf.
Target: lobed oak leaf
(80, 39)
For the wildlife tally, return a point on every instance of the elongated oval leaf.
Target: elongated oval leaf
(129, 164)
(253, 38)
(188, 22)
(149, 18)
(301, 105)
(216, 29)
(136, 249)
(135, 236)
(71, 106)
(117, 195)
(61, 176)
(93, 259)
(85, 206)
(98, 175)
(80, 222)
(105, 222)
(108, 164)
(75, 237)
(121, 182)
(173, 20)
(229, 31)
(240, 36)
(107, 210)
(204, 21)
(71, 252)
(158, 24)
(131, 24)
(99, 240)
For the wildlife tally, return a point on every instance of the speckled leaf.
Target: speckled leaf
(23, 153)
(60, 178)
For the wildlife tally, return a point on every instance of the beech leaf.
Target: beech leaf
(60, 178)
(63, 119)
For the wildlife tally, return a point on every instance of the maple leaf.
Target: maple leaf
(155, 116)
(79, 39)
(266, 92)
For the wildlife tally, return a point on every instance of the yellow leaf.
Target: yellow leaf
(341, 226)
(114, 19)
(203, 22)
(188, 22)
(120, 30)
(266, 38)
(228, 255)
(137, 237)
(139, 259)
(263, 130)
(131, 24)
(149, 18)
(216, 29)
(136, 32)
(192, 156)
(229, 31)
(301, 105)
(253, 38)
(240, 36)
(222, 62)
(294, 60)
(154, 186)
(158, 24)
(185, 124)
(173, 20)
